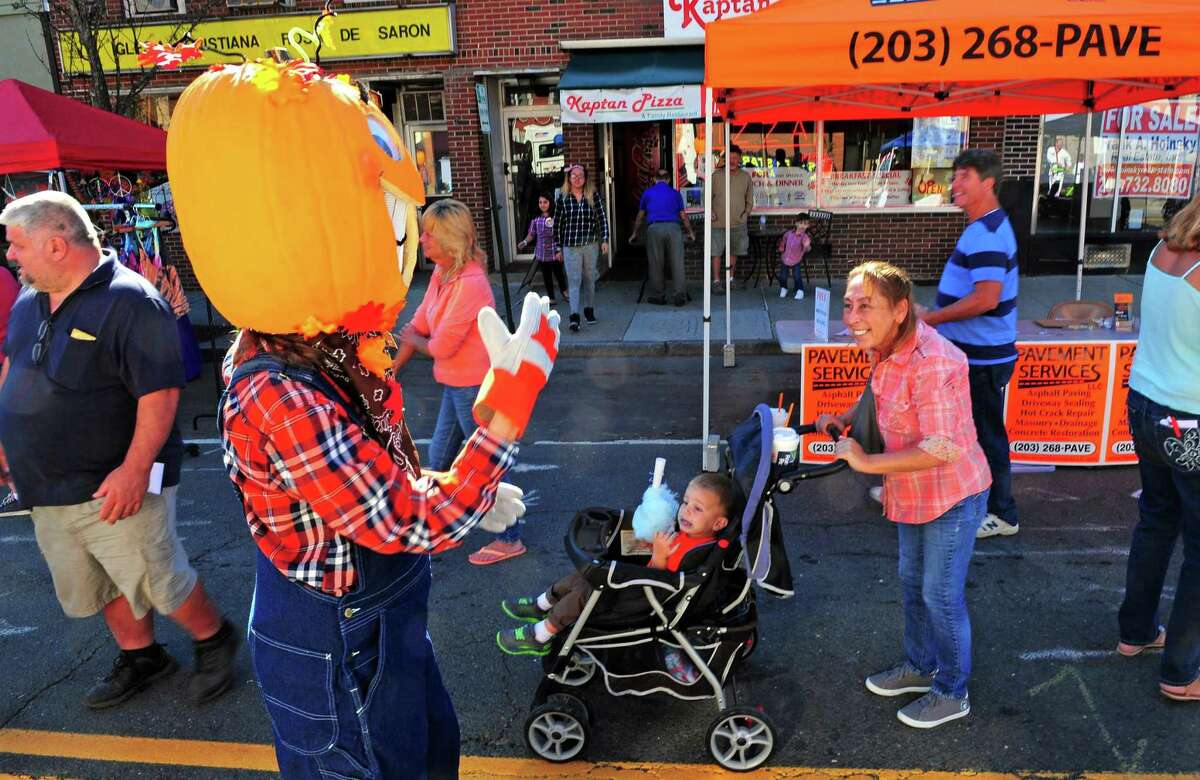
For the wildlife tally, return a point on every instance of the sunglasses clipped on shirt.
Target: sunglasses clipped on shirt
(42, 345)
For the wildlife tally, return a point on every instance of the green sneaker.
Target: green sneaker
(521, 641)
(523, 608)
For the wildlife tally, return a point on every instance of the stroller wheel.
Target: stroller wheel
(579, 671)
(559, 729)
(741, 738)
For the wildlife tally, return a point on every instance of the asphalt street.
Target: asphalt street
(1048, 693)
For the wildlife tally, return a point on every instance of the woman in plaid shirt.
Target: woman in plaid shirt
(936, 482)
(581, 233)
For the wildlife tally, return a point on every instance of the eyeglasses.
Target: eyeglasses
(41, 346)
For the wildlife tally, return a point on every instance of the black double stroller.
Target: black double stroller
(685, 634)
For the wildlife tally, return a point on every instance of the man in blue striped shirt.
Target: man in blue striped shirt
(977, 310)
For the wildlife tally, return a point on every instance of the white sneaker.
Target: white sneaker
(994, 526)
(799, 295)
(876, 494)
(782, 292)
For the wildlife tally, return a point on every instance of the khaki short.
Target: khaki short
(739, 241)
(92, 562)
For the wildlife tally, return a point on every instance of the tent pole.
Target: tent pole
(708, 174)
(1083, 199)
(728, 359)
(1116, 207)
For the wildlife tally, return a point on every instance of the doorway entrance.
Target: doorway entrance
(637, 151)
(533, 154)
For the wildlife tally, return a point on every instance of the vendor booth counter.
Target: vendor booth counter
(1065, 405)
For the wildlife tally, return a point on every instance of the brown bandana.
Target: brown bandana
(379, 397)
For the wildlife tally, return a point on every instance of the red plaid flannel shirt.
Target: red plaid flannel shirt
(313, 482)
(923, 399)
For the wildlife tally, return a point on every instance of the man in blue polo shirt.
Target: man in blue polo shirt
(662, 207)
(977, 310)
(88, 394)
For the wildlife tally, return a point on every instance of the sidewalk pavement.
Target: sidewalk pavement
(629, 328)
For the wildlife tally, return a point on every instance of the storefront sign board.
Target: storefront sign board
(783, 187)
(690, 18)
(354, 35)
(639, 104)
(866, 189)
(1118, 444)
(834, 378)
(1158, 151)
(936, 141)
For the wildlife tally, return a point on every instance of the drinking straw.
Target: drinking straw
(788, 419)
(780, 404)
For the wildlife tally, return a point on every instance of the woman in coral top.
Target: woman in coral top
(936, 485)
(444, 327)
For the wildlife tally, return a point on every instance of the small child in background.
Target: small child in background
(707, 504)
(793, 246)
(541, 234)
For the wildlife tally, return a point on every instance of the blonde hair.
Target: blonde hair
(589, 189)
(1182, 233)
(451, 223)
(893, 284)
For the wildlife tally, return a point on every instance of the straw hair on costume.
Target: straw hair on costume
(450, 222)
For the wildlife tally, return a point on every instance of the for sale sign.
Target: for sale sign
(1157, 153)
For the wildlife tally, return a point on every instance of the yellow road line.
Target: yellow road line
(247, 756)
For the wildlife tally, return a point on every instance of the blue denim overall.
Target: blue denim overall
(350, 683)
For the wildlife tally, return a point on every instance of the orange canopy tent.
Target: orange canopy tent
(866, 59)
(875, 59)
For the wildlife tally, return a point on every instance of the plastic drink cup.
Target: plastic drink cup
(778, 417)
(785, 446)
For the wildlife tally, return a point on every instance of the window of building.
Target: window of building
(431, 151)
(1149, 148)
(423, 106)
(156, 109)
(137, 8)
(837, 165)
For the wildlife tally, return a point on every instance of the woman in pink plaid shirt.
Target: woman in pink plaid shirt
(936, 483)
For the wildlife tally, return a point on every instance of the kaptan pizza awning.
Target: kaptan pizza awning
(867, 59)
(631, 84)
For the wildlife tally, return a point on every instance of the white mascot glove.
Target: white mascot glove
(520, 362)
(507, 510)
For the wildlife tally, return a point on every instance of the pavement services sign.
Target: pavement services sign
(354, 35)
(834, 378)
(1118, 446)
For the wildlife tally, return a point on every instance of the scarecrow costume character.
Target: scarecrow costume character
(312, 421)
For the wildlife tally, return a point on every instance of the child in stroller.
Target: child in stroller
(705, 510)
(639, 623)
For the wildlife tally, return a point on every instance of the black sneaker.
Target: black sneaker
(11, 505)
(213, 674)
(574, 323)
(657, 300)
(589, 316)
(131, 672)
(523, 608)
(681, 300)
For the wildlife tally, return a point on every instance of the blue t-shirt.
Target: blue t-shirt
(67, 420)
(662, 203)
(986, 252)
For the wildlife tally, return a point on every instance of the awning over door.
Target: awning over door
(632, 84)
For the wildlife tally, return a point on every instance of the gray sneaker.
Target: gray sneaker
(934, 709)
(898, 680)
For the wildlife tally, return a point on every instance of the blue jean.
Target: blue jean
(797, 272)
(934, 557)
(1169, 508)
(455, 422)
(987, 409)
(351, 684)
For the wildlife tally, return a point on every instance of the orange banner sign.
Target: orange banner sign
(834, 378)
(1119, 443)
(1056, 402)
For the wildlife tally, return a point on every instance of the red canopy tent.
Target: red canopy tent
(43, 131)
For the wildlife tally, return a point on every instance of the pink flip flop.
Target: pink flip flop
(488, 554)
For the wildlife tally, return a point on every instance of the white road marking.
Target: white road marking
(1064, 654)
(521, 468)
(16, 539)
(1098, 528)
(620, 443)
(7, 630)
(1117, 551)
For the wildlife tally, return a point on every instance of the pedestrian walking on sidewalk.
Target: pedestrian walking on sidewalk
(661, 208)
(545, 253)
(977, 311)
(88, 395)
(936, 480)
(445, 327)
(581, 233)
(1164, 419)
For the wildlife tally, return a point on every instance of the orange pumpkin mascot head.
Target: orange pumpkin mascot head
(296, 200)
